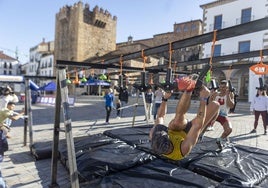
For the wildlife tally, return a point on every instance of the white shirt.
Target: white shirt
(259, 103)
(224, 108)
(6, 99)
(158, 96)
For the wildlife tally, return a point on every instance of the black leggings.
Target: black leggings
(257, 115)
(108, 112)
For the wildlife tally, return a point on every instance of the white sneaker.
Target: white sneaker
(210, 128)
(118, 117)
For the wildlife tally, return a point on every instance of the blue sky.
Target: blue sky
(24, 23)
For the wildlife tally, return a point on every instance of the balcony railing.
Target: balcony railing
(238, 21)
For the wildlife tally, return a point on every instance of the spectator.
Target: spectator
(8, 96)
(149, 96)
(123, 96)
(158, 94)
(259, 106)
(6, 113)
(109, 99)
(118, 106)
(232, 110)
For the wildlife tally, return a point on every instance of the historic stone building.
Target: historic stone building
(81, 34)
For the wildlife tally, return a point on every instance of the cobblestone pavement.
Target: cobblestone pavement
(20, 169)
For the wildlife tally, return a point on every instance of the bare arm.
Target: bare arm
(160, 113)
(197, 123)
(230, 99)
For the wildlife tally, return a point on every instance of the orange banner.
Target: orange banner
(259, 69)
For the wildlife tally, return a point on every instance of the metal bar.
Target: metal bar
(93, 65)
(68, 129)
(128, 106)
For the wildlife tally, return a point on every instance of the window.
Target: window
(244, 46)
(246, 15)
(217, 50)
(178, 29)
(185, 28)
(218, 22)
(193, 27)
(5, 65)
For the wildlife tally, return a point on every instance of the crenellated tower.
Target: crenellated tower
(81, 34)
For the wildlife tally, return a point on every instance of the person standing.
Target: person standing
(149, 97)
(158, 95)
(226, 100)
(232, 110)
(259, 106)
(123, 97)
(118, 106)
(8, 96)
(109, 103)
(6, 113)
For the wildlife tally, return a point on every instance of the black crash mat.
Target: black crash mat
(139, 137)
(235, 166)
(156, 174)
(85, 143)
(105, 159)
(41, 150)
(136, 135)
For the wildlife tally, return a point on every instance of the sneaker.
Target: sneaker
(253, 131)
(265, 132)
(106, 123)
(210, 128)
(186, 84)
(219, 142)
(118, 117)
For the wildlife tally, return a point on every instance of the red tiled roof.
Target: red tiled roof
(6, 57)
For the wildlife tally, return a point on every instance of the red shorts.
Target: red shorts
(222, 119)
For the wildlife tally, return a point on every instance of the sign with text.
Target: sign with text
(51, 100)
(260, 69)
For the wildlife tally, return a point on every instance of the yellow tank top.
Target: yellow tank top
(176, 137)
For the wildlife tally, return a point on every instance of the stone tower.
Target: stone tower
(81, 34)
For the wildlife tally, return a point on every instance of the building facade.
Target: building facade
(227, 13)
(41, 62)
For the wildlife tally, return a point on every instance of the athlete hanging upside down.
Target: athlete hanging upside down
(177, 140)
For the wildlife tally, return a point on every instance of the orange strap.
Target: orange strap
(213, 46)
(170, 54)
(144, 59)
(261, 56)
(121, 64)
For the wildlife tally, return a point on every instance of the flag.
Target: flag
(208, 76)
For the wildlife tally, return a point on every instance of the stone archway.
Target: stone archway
(240, 81)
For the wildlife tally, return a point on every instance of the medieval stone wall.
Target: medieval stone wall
(81, 33)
